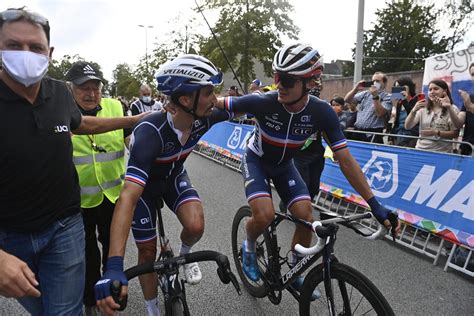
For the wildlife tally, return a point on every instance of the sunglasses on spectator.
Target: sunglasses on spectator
(285, 80)
(12, 15)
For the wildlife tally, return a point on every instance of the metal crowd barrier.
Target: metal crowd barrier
(410, 137)
(412, 237)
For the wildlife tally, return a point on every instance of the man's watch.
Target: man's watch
(376, 97)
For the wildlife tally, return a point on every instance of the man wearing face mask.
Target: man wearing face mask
(374, 106)
(41, 230)
(145, 102)
(99, 161)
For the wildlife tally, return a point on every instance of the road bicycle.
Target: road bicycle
(344, 290)
(167, 269)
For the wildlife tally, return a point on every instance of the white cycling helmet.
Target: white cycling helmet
(187, 73)
(298, 60)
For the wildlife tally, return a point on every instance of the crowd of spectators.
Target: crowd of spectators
(400, 115)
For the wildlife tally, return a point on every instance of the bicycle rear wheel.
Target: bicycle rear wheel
(256, 289)
(354, 293)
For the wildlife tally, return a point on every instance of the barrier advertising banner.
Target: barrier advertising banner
(434, 191)
(453, 68)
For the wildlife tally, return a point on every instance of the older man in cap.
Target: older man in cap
(99, 161)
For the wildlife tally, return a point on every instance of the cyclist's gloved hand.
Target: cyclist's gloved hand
(383, 214)
(113, 271)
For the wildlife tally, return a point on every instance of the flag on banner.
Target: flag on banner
(453, 68)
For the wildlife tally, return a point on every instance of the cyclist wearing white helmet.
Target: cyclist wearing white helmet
(159, 146)
(285, 119)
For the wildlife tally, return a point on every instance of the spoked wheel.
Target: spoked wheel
(256, 289)
(354, 294)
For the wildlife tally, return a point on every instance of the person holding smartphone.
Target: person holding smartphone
(405, 102)
(374, 106)
(436, 117)
(466, 117)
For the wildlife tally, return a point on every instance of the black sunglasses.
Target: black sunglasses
(12, 15)
(285, 80)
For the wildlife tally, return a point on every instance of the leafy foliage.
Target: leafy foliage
(248, 31)
(407, 32)
(125, 83)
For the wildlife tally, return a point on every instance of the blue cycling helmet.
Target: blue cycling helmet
(187, 73)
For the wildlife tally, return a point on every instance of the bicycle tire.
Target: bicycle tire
(177, 307)
(256, 289)
(368, 301)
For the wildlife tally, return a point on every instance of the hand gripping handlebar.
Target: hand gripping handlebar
(323, 232)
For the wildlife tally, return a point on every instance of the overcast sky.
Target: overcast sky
(107, 32)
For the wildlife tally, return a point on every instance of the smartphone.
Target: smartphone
(421, 96)
(367, 84)
(397, 93)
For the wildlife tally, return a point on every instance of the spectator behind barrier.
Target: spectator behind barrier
(374, 107)
(405, 102)
(435, 117)
(466, 116)
(346, 117)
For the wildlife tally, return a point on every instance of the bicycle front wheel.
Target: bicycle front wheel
(177, 307)
(353, 293)
(256, 289)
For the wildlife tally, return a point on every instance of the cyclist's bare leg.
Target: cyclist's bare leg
(191, 216)
(148, 282)
(262, 215)
(303, 210)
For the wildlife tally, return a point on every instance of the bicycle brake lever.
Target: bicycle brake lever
(393, 218)
(115, 288)
(234, 282)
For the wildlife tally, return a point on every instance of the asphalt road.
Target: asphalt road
(409, 281)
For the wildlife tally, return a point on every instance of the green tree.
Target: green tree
(407, 32)
(124, 82)
(459, 17)
(248, 31)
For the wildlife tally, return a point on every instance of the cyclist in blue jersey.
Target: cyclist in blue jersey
(285, 119)
(159, 146)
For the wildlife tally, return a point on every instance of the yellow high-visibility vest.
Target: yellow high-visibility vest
(100, 173)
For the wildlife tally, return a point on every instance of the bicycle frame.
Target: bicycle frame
(306, 262)
(327, 254)
(170, 285)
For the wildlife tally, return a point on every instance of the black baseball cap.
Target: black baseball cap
(338, 100)
(81, 72)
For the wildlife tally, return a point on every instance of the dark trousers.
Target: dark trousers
(310, 168)
(368, 137)
(97, 222)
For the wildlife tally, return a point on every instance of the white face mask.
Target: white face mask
(377, 85)
(25, 67)
(146, 99)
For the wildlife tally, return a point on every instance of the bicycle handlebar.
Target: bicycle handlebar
(322, 232)
(223, 271)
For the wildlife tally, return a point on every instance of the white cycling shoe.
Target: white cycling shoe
(192, 273)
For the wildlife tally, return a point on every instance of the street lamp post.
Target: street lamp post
(146, 27)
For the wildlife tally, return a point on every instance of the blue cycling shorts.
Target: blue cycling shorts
(175, 191)
(285, 177)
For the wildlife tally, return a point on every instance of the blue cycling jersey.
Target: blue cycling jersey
(156, 152)
(279, 134)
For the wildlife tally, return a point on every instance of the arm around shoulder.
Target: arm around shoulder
(98, 125)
